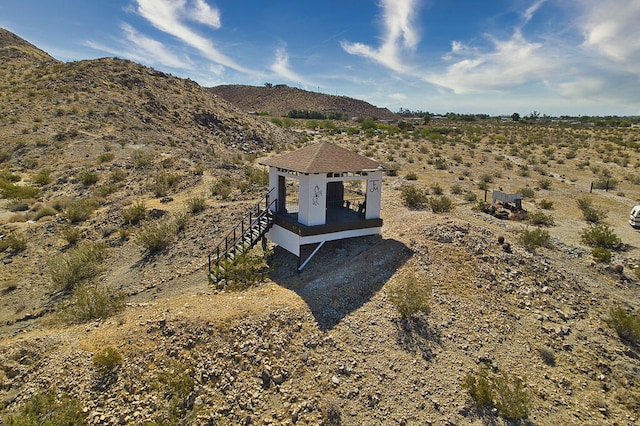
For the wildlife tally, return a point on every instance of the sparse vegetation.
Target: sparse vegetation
(135, 214)
(532, 239)
(591, 214)
(49, 409)
(79, 264)
(504, 391)
(413, 197)
(246, 269)
(89, 302)
(411, 295)
(440, 204)
(626, 324)
(600, 235)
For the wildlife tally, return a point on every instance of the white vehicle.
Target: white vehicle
(634, 217)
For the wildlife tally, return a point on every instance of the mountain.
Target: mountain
(279, 99)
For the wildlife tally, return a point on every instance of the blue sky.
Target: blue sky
(557, 57)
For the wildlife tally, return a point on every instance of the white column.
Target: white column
(374, 195)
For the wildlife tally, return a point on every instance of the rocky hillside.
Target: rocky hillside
(278, 100)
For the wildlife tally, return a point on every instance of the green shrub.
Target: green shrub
(605, 183)
(527, 192)
(440, 204)
(44, 211)
(437, 189)
(80, 209)
(541, 219)
(600, 235)
(411, 295)
(196, 203)
(117, 175)
(506, 392)
(107, 360)
(177, 384)
(456, 189)
(14, 242)
(79, 264)
(134, 214)
(71, 234)
(545, 204)
(105, 157)
(91, 302)
(532, 239)
(156, 236)
(87, 178)
(164, 181)
(246, 269)
(257, 176)
(601, 254)
(591, 214)
(470, 196)
(48, 409)
(413, 197)
(43, 177)
(626, 324)
(411, 176)
(544, 183)
(17, 192)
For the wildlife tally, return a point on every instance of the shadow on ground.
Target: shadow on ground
(342, 276)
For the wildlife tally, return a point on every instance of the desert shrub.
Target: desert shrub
(134, 214)
(79, 264)
(601, 254)
(437, 189)
(156, 236)
(456, 189)
(43, 211)
(626, 324)
(91, 302)
(176, 382)
(605, 183)
(413, 197)
(591, 214)
(532, 239)
(14, 242)
(506, 392)
(117, 175)
(87, 177)
(71, 234)
(600, 235)
(107, 362)
(49, 409)
(43, 177)
(141, 159)
(527, 192)
(164, 181)
(222, 188)
(545, 204)
(257, 176)
(196, 203)
(246, 269)
(544, 183)
(541, 219)
(80, 209)
(440, 204)
(411, 295)
(470, 196)
(411, 176)
(13, 191)
(547, 355)
(105, 157)
(108, 359)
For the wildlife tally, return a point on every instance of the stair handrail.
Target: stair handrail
(230, 244)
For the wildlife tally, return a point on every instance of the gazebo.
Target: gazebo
(323, 192)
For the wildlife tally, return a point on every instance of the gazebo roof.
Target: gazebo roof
(322, 157)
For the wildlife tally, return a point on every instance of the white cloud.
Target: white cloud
(168, 15)
(509, 64)
(142, 49)
(400, 35)
(204, 14)
(612, 29)
(283, 70)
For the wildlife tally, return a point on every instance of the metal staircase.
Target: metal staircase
(252, 227)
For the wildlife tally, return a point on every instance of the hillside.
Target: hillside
(101, 158)
(278, 100)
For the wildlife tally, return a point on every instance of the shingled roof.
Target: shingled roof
(322, 157)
